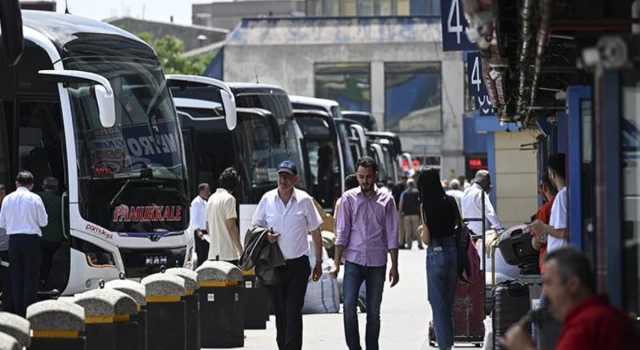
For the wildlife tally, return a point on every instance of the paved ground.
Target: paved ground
(405, 316)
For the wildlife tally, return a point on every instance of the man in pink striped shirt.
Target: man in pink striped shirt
(367, 230)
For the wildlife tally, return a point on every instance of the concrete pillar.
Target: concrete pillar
(377, 93)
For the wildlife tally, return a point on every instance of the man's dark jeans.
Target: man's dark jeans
(24, 260)
(288, 300)
(374, 278)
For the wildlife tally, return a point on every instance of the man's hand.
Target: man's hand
(317, 270)
(538, 227)
(394, 276)
(517, 338)
(335, 270)
(199, 232)
(272, 236)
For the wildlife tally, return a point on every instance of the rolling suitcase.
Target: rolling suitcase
(510, 304)
(468, 314)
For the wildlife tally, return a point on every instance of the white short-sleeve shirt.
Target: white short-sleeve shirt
(221, 207)
(558, 220)
(292, 222)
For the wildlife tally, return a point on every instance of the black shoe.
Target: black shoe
(420, 247)
(362, 305)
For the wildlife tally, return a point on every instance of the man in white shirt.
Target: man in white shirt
(221, 220)
(472, 204)
(199, 222)
(455, 192)
(22, 215)
(290, 215)
(558, 235)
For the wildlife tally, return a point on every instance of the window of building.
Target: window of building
(366, 7)
(384, 7)
(314, 8)
(347, 83)
(403, 7)
(413, 98)
(350, 8)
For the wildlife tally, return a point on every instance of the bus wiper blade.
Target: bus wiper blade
(115, 198)
(126, 184)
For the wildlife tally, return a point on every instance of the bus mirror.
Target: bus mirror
(106, 106)
(12, 36)
(102, 91)
(231, 116)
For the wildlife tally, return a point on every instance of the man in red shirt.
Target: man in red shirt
(539, 241)
(589, 321)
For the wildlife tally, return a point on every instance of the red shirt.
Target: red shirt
(596, 325)
(544, 215)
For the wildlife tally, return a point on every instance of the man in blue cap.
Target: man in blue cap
(290, 214)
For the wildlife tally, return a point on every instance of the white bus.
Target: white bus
(88, 104)
(266, 134)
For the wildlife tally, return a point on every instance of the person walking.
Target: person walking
(439, 219)
(290, 214)
(52, 235)
(409, 209)
(351, 182)
(367, 230)
(199, 222)
(5, 276)
(225, 242)
(471, 204)
(22, 215)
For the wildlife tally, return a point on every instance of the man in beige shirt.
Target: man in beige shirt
(221, 220)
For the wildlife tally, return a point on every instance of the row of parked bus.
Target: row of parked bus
(89, 104)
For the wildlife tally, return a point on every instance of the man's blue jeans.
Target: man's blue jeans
(442, 279)
(374, 278)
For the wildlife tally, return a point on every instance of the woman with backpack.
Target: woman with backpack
(440, 216)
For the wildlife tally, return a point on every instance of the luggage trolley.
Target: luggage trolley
(470, 305)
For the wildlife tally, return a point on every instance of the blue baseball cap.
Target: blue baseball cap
(288, 167)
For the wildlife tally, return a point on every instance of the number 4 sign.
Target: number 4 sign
(475, 83)
(454, 27)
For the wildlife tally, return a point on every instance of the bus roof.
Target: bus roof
(325, 103)
(239, 88)
(70, 33)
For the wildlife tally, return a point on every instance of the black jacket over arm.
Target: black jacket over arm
(262, 255)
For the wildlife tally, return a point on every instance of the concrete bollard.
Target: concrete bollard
(138, 293)
(166, 311)
(8, 342)
(16, 327)
(192, 304)
(256, 302)
(221, 304)
(108, 319)
(56, 324)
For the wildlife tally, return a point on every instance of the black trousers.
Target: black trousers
(48, 249)
(24, 260)
(288, 299)
(5, 282)
(202, 248)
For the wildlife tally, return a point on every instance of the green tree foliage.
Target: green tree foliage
(170, 50)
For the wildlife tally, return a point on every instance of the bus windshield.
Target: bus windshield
(290, 147)
(144, 143)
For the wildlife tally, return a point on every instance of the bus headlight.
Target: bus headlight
(101, 259)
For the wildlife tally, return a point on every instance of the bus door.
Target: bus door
(325, 164)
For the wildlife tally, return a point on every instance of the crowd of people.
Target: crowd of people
(370, 230)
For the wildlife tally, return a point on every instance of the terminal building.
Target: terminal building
(391, 66)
